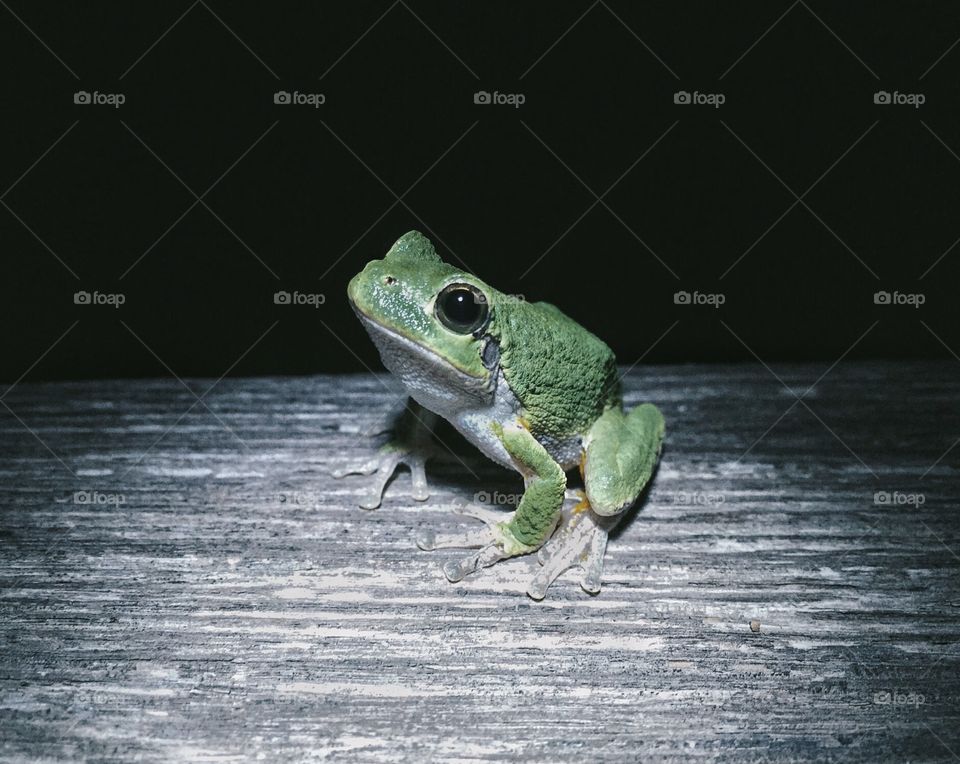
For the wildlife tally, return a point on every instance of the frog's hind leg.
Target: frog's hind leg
(620, 454)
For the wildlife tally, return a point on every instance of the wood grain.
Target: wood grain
(221, 598)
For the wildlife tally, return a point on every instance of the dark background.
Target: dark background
(316, 196)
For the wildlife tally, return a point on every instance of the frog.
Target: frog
(525, 384)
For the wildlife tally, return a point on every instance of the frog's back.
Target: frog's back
(563, 375)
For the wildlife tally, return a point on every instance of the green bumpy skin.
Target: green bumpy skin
(563, 374)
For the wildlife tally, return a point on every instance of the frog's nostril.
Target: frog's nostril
(389, 280)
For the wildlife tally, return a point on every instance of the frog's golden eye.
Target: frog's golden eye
(462, 308)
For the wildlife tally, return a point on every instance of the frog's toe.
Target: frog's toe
(473, 539)
(418, 474)
(593, 565)
(491, 543)
(557, 563)
(374, 494)
(580, 541)
(367, 467)
(489, 516)
(488, 555)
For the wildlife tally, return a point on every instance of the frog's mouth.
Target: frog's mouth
(420, 368)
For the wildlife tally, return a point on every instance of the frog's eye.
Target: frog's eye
(462, 308)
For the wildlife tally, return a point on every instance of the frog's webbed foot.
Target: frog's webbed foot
(491, 542)
(383, 465)
(411, 445)
(579, 541)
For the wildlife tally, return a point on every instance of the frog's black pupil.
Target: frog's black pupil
(461, 309)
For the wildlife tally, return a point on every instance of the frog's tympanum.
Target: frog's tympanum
(529, 387)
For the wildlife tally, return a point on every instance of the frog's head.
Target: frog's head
(428, 320)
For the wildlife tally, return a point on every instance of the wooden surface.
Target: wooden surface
(229, 601)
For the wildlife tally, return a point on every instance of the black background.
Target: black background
(316, 197)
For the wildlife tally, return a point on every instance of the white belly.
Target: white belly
(476, 425)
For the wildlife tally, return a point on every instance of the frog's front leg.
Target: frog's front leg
(410, 444)
(620, 455)
(528, 527)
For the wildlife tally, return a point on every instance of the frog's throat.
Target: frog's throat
(417, 365)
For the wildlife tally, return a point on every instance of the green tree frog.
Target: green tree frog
(529, 387)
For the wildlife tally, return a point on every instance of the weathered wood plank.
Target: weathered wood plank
(229, 601)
